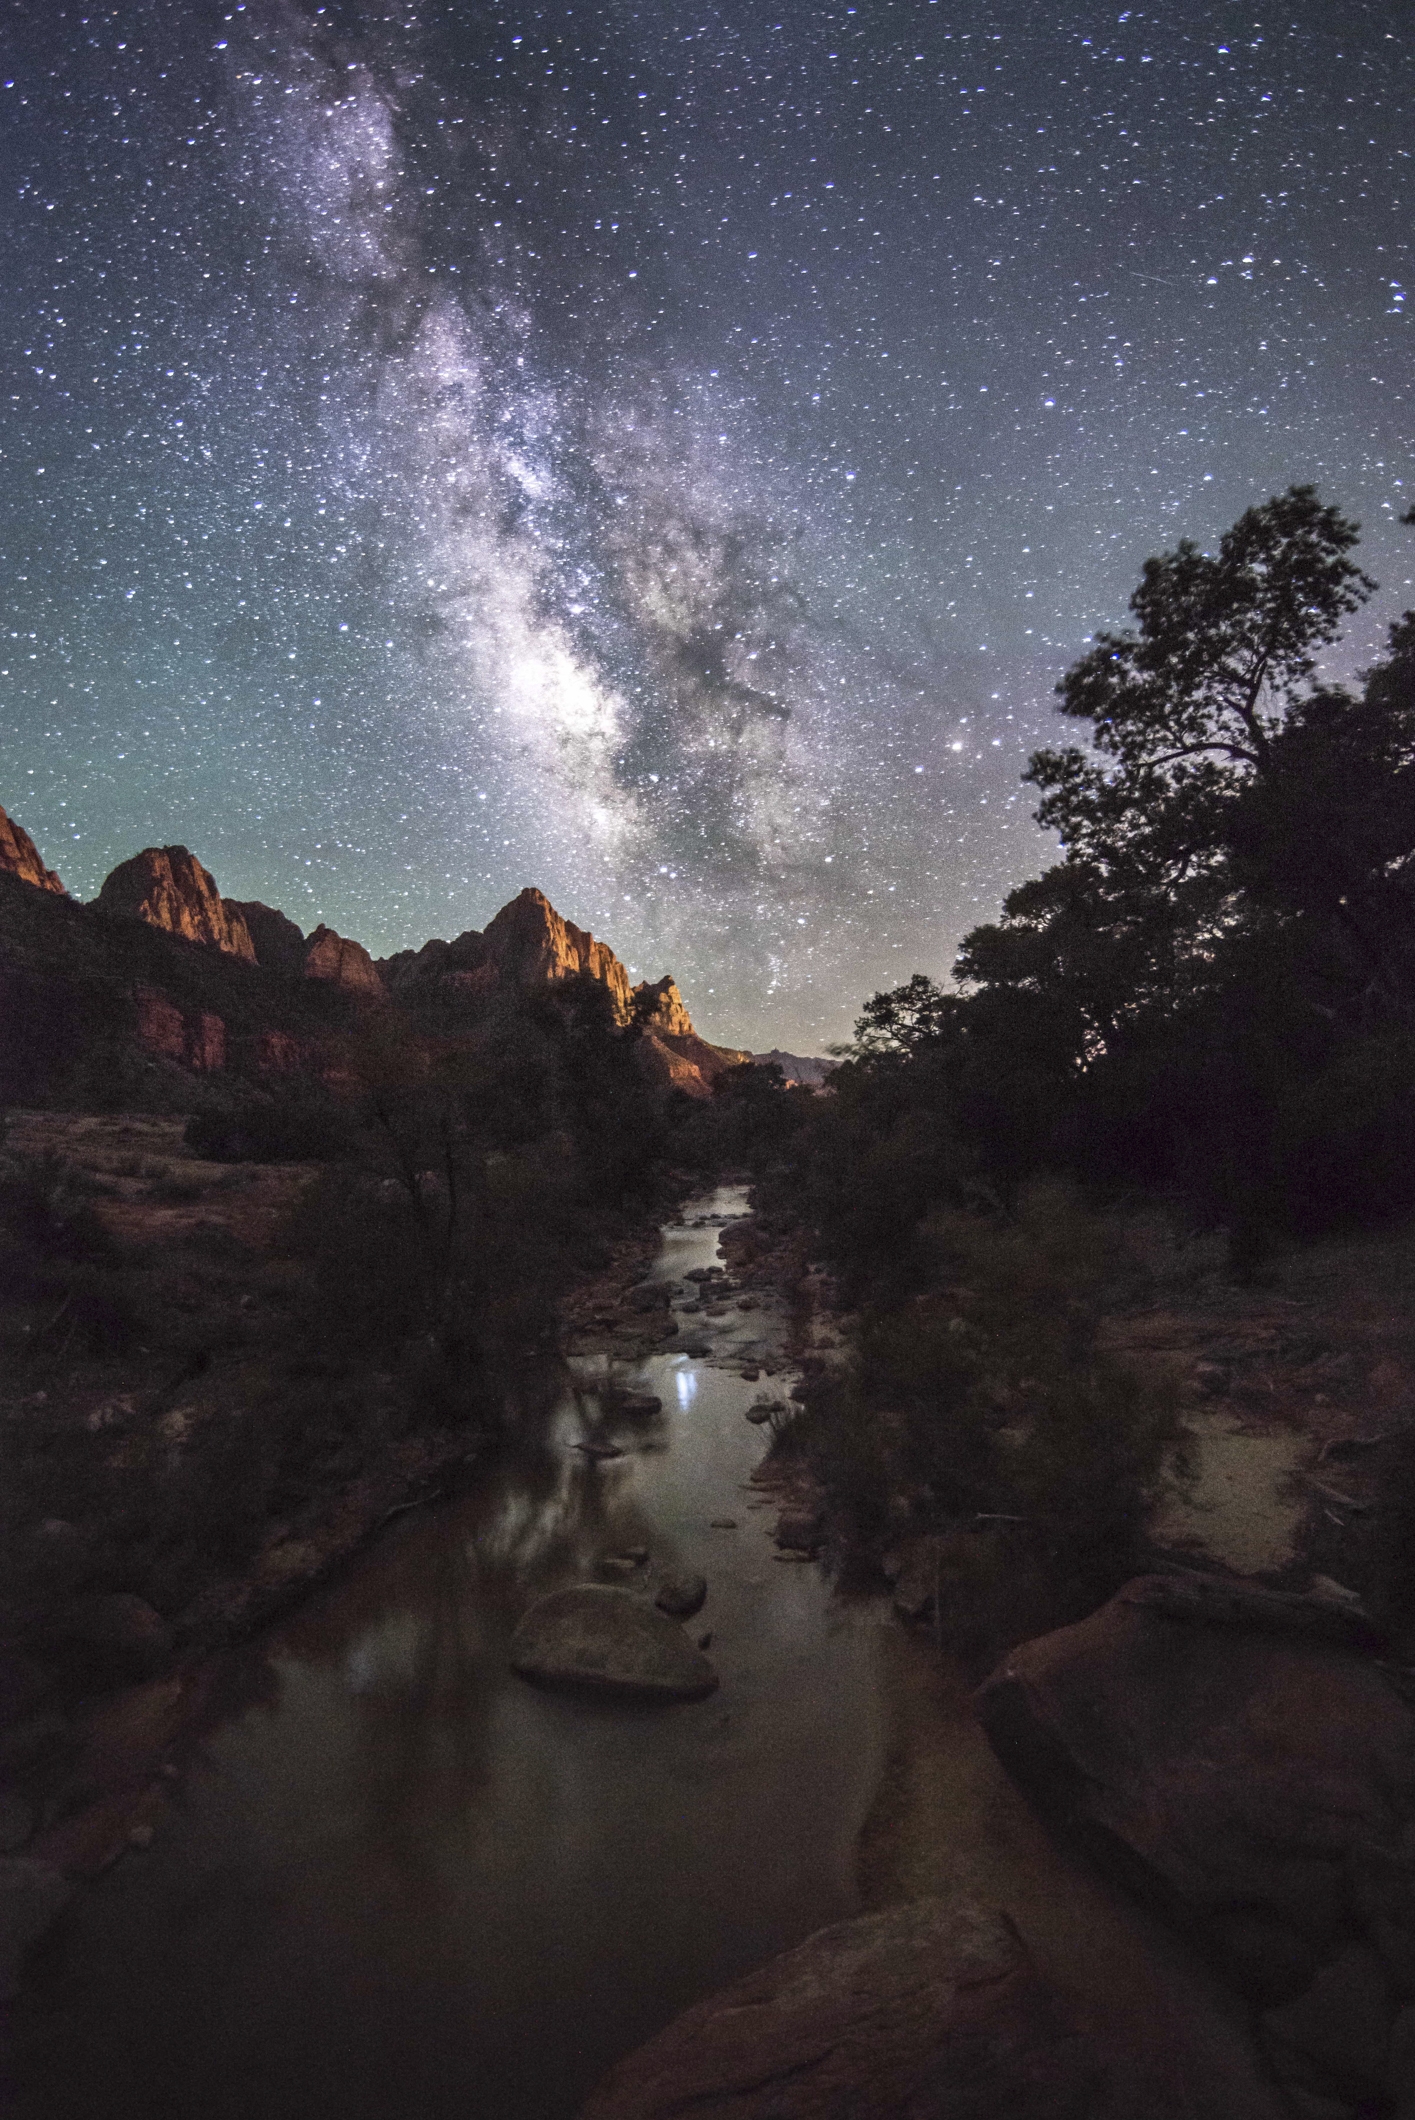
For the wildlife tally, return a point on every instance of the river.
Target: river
(399, 1880)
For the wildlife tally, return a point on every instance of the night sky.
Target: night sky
(664, 454)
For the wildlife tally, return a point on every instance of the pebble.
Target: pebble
(723, 1523)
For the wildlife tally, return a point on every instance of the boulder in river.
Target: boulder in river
(681, 1595)
(609, 1641)
(929, 2009)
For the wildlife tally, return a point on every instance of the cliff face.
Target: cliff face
(660, 1008)
(279, 944)
(343, 963)
(530, 944)
(19, 856)
(168, 888)
(527, 944)
(102, 986)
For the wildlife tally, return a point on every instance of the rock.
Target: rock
(660, 1008)
(279, 945)
(928, 2011)
(19, 856)
(598, 1450)
(649, 1295)
(338, 962)
(609, 1641)
(637, 1405)
(758, 1415)
(681, 1595)
(1216, 1767)
(168, 888)
(705, 1640)
(33, 1895)
(696, 1350)
(723, 1523)
(1335, 2037)
(617, 1567)
(116, 1635)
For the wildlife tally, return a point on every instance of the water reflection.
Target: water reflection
(404, 1881)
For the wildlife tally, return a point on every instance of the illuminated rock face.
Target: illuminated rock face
(342, 963)
(168, 888)
(528, 943)
(19, 856)
(661, 1009)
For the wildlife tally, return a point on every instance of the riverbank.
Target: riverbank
(394, 1875)
(106, 1642)
(947, 1822)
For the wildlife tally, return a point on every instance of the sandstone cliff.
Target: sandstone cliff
(660, 1008)
(527, 944)
(168, 888)
(341, 962)
(95, 985)
(19, 856)
(279, 945)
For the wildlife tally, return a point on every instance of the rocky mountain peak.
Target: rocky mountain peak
(342, 963)
(168, 888)
(529, 943)
(19, 856)
(661, 1008)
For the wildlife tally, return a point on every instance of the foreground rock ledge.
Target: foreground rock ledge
(609, 1641)
(1233, 1757)
(930, 2011)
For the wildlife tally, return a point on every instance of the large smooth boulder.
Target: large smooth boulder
(1229, 1767)
(1236, 1757)
(609, 1641)
(929, 2011)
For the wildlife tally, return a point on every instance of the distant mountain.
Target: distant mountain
(162, 980)
(812, 1074)
(19, 856)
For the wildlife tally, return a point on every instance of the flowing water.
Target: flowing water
(400, 1881)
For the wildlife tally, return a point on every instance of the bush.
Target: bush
(984, 1401)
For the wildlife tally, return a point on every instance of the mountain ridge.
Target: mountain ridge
(200, 1014)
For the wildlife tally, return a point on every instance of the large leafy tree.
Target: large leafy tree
(1185, 708)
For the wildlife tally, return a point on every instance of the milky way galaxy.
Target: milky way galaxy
(665, 456)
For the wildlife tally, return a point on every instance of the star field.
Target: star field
(667, 455)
